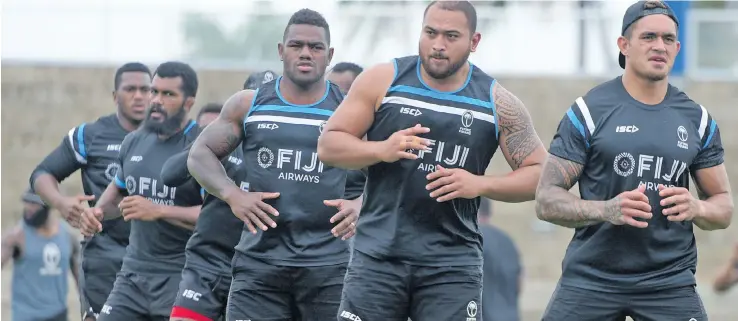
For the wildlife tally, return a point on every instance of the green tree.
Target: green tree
(255, 39)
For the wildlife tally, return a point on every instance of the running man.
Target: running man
(293, 267)
(206, 277)
(44, 253)
(161, 216)
(343, 74)
(432, 123)
(631, 143)
(93, 149)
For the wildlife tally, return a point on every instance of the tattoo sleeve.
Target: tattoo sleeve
(555, 204)
(218, 140)
(518, 137)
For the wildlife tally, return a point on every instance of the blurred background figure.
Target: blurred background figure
(208, 114)
(44, 252)
(727, 277)
(258, 78)
(503, 270)
(343, 74)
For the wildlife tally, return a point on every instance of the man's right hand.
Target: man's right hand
(71, 208)
(396, 146)
(251, 209)
(626, 207)
(90, 221)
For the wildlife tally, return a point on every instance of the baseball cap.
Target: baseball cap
(639, 10)
(30, 197)
(257, 79)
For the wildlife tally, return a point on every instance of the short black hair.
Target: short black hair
(347, 66)
(464, 6)
(174, 69)
(308, 17)
(211, 108)
(129, 67)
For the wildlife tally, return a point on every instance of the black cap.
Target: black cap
(639, 10)
(257, 79)
(30, 197)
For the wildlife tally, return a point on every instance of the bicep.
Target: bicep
(63, 161)
(519, 141)
(224, 134)
(355, 115)
(560, 172)
(712, 180)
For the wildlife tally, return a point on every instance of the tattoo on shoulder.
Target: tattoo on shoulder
(561, 172)
(516, 126)
(222, 138)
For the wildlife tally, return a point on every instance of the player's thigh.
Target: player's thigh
(317, 292)
(127, 301)
(198, 298)
(374, 290)
(678, 304)
(446, 293)
(568, 303)
(97, 278)
(259, 291)
(162, 290)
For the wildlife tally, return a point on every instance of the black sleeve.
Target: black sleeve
(355, 180)
(571, 141)
(124, 148)
(67, 158)
(711, 150)
(175, 172)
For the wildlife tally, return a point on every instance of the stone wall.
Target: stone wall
(40, 104)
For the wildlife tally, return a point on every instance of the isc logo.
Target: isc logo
(350, 316)
(410, 111)
(267, 126)
(191, 295)
(626, 129)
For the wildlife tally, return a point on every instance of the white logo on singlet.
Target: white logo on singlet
(136, 158)
(271, 126)
(113, 147)
(151, 189)
(235, 160)
(296, 165)
(467, 118)
(268, 76)
(111, 170)
(471, 311)
(51, 257)
(653, 170)
(682, 135)
(626, 129)
(194, 296)
(410, 111)
(350, 316)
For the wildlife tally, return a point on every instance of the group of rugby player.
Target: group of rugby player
(245, 214)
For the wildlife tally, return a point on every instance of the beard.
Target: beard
(169, 124)
(452, 68)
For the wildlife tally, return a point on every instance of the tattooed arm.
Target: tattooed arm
(522, 148)
(218, 140)
(555, 204)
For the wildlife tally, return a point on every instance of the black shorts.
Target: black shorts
(392, 291)
(265, 292)
(97, 276)
(137, 297)
(202, 295)
(678, 304)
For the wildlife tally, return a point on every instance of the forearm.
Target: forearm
(556, 205)
(47, 187)
(186, 215)
(514, 187)
(727, 278)
(344, 150)
(109, 201)
(209, 172)
(716, 214)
